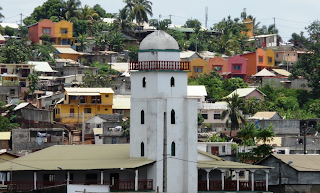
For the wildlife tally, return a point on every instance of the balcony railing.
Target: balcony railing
(128, 185)
(159, 65)
(231, 185)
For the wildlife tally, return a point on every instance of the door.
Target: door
(114, 180)
(71, 112)
(215, 151)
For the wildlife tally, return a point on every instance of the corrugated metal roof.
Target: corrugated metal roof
(282, 72)
(264, 72)
(66, 50)
(42, 66)
(229, 165)
(121, 102)
(20, 106)
(186, 54)
(12, 25)
(264, 115)
(84, 94)
(5, 135)
(301, 162)
(71, 90)
(242, 92)
(77, 157)
(196, 91)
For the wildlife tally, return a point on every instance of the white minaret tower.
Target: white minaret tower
(163, 121)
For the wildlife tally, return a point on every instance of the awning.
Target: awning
(84, 94)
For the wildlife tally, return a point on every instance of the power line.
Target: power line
(293, 21)
(289, 27)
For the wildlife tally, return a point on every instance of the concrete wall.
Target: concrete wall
(75, 188)
(37, 115)
(26, 139)
(300, 83)
(283, 126)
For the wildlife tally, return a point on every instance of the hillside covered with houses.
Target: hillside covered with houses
(121, 102)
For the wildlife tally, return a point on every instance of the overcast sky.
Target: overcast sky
(290, 15)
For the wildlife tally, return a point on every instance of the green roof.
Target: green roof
(77, 157)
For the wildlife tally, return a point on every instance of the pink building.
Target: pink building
(237, 65)
(36, 30)
(219, 63)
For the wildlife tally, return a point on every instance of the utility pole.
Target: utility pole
(274, 23)
(21, 19)
(206, 16)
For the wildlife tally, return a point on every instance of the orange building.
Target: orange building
(259, 60)
(36, 30)
(249, 24)
(219, 63)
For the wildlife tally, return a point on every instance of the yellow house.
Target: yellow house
(198, 66)
(270, 58)
(249, 24)
(90, 101)
(64, 33)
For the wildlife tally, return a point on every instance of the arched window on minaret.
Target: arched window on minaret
(142, 117)
(142, 149)
(173, 149)
(172, 82)
(144, 82)
(173, 117)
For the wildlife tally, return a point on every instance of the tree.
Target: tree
(200, 119)
(15, 51)
(70, 8)
(139, 10)
(48, 9)
(80, 27)
(23, 31)
(95, 81)
(33, 82)
(102, 41)
(43, 52)
(87, 13)
(133, 53)
(193, 23)
(308, 64)
(1, 16)
(123, 22)
(233, 114)
(99, 10)
(116, 39)
(9, 31)
(82, 39)
(247, 134)
(298, 39)
(160, 25)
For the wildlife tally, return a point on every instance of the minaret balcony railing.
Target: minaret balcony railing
(159, 65)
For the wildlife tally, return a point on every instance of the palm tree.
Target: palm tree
(1, 16)
(266, 134)
(82, 39)
(247, 134)
(70, 8)
(139, 10)
(122, 22)
(87, 13)
(235, 107)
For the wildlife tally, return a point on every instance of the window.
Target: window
(172, 82)
(106, 109)
(98, 126)
(241, 174)
(216, 116)
(64, 31)
(72, 112)
(269, 59)
(61, 73)
(173, 117)
(65, 97)
(48, 177)
(79, 72)
(142, 117)
(4, 70)
(236, 67)
(106, 95)
(87, 110)
(205, 116)
(223, 148)
(173, 149)
(277, 55)
(196, 69)
(144, 82)
(12, 91)
(142, 149)
(46, 30)
(260, 59)
(219, 68)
